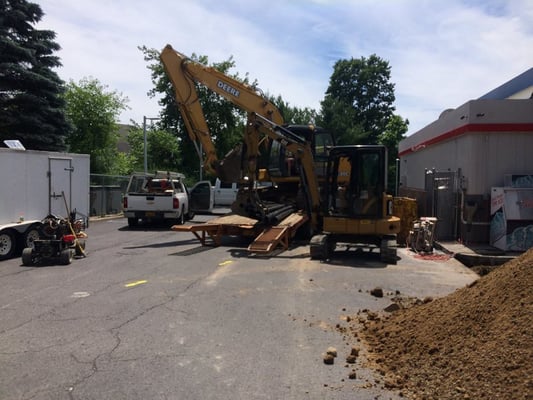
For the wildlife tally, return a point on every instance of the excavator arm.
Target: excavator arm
(183, 73)
(302, 152)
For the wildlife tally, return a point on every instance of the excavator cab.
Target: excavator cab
(356, 210)
(356, 179)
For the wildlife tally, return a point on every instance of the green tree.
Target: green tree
(31, 102)
(225, 121)
(294, 115)
(359, 100)
(162, 149)
(93, 112)
(123, 164)
(392, 135)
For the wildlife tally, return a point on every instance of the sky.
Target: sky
(441, 53)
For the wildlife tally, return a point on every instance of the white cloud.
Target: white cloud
(442, 54)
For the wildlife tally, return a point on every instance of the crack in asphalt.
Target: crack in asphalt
(53, 315)
(115, 333)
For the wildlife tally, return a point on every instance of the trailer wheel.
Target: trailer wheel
(27, 256)
(33, 233)
(190, 214)
(66, 256)
(8, 242)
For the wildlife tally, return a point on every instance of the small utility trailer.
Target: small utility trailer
(33, 184)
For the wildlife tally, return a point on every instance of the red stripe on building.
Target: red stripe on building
(469, 128)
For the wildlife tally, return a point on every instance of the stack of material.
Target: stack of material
(404, 208)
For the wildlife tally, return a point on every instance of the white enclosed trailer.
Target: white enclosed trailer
(35, 184)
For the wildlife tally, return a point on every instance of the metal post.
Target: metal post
(201, 163)
(397, 176)
(145, 147)
(145, 141)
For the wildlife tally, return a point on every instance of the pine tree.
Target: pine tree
(32, 107)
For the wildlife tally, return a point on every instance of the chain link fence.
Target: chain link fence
(106, 193)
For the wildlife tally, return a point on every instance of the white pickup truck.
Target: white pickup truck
(159, 196)
(206, 197)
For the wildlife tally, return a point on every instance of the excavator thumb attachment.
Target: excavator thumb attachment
(229, 169)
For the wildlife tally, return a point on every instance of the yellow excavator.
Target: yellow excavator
(351, 206)
(260, 158)
(341, 190)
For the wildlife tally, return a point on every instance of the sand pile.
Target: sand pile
(476, 343)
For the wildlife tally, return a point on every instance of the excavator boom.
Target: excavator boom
(184, 73)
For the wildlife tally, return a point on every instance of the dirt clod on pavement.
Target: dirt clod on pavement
(332, 351)
(328, 359)
(476, 343)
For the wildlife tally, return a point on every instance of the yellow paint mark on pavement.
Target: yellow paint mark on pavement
(223, 264)
(132, 284)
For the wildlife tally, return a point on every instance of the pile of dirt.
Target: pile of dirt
(476, 343)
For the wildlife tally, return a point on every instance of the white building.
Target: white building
(452, 164)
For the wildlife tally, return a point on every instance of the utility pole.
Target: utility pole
(145, 141)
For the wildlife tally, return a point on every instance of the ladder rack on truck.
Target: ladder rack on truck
(267, 239)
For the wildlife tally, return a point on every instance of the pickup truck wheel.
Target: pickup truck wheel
(181, 218)
(132, 222)
(7, 244)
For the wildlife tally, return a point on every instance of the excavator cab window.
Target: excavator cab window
(356, 181)
(365, 185)
(276, 160)
(282, 163)
(322, 144)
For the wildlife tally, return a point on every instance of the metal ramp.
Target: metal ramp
(281, 234)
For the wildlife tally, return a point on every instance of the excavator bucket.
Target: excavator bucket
(229, 169)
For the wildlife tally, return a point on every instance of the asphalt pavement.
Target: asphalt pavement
(151, 314)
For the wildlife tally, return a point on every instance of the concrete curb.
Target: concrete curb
(472, 256)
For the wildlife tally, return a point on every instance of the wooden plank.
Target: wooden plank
(201, 231)
(216, 228)
(274, 236)
(269, 239)
(294, 220)
(233, 219)
(232, 224)
(194, 228)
